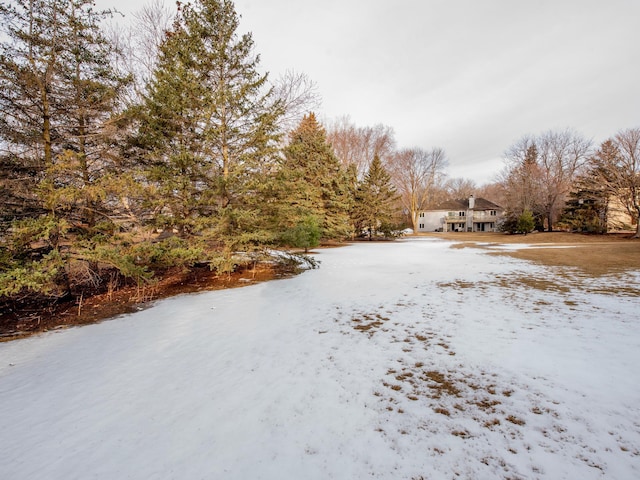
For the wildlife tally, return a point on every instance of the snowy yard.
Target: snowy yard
(405, 360)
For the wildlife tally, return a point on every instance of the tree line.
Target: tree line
(166, 146)
(124, 153)
(558, 179)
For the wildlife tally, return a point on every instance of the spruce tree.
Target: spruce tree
(209, 126)
(375, 201)
(58, 93)
(81, 178)
(316, 182)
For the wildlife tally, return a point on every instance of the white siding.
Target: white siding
(431, 221)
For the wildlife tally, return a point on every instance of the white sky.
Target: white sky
(468, 76)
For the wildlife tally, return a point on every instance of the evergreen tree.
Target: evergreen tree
(172, 136)
(59, 90)
(305, 234)
(525, 223)
(375, 201)
(316, 182)
(209, 126)
(586, 209)
(80, 181)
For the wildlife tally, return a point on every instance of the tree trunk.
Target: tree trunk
(46, 129)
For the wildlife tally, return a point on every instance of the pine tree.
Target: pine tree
(59, 90)
(31, 41)
(375, 202)
(586, 208)
(209, 126)
(172, 137)
(316, 182)
(525, 223)
(80, 179)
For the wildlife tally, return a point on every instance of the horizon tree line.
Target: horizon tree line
(168, 146)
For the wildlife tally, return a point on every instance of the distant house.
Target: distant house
(468, 215)
(618, 216)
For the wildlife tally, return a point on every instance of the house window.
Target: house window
(493, 213)
(421, 214)
(421, 225)
(461, 214)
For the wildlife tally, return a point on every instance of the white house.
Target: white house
(468, 215)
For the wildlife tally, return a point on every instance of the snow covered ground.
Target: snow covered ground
(405, 360)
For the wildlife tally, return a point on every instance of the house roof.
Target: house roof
(463, 204)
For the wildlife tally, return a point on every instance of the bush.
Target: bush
(525, 223)
(306, 234)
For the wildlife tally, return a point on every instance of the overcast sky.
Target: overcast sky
(469, 76)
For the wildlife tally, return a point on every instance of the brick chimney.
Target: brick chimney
(472, 202)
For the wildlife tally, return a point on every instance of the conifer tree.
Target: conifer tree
(209, 126)
(59, 91)
(316, 182)
(376, 197)
(58, 95)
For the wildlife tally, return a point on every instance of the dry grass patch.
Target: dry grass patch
(592, 254)
(515, 420)
(543, 284)
(368, 322)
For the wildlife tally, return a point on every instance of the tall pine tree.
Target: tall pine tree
(374, 207)
(58, 95)
(317, 183)
(209, 126)
(59, 91)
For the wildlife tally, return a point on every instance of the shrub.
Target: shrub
(525, 223)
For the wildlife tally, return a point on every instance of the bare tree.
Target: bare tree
(540, 172)
(298, 96)
(139, 43)
(493, 192)
(357, 146)
(415, 173)
(521, 179)
(151, 25)
(561, 154)
(458, 188)
(617, 170)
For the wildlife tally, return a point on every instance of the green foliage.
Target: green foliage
(123, 259)
(59, 89)
(511, 222)
(390, 230)
(44, 232)
(139, 260)
(208, 124)
(314, 181)
(525, 223)
(375, 201)
(39, 276)
(305, 234)
(30, 257)
(586, 209)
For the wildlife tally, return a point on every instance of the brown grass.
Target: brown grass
(593, 254)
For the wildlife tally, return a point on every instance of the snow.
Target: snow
(403, 360)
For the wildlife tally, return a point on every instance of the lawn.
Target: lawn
(592, 254)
